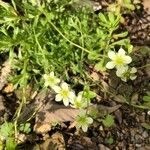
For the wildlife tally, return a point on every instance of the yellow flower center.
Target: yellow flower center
(64, 93)
(51, 80)
(77, 104)
(119, 60)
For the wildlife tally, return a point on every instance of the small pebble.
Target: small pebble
(145, 134)
(148, 112)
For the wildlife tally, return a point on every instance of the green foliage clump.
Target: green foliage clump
(60, 36)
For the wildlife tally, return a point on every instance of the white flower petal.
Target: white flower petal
(79, 98)
(52, 74)
(128, 59)
(72, 106)
(121, 51)
(121, 70)
(72, 96)
(46, 84)
(45, 76)
(89, 120)
(133, 70)
(133, 77)
(111, 55)
(57, 80)
(110, 65)
(84, 128)
(124, 79)
(82, 113)
(80, 93)
(56, 88)
(66, 101)
(58, 98)
(64, 85)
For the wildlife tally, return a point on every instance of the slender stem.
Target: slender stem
(19, 111)
(68, 39)
(147, 65)
(76, 45)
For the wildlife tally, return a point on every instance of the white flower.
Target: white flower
(79, 101)
(126, 73)
(50, 80)
(64, 93)
(132, 73)
(118, 60)
(83, 121)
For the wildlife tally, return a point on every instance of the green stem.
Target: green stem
(147, 65)
(42, 52)
(68, 39)
(76, 45)
(23, 101)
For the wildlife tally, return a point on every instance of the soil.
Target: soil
(128, 132)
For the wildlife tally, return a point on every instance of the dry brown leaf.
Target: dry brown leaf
(5, 72)
(53, 113)
(103, 110)
(55, 142)
(9, 88)
(120, 99)
(103, 147)
(95, 76)
(146, 4)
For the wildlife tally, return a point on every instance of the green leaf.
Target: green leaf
(130, 48)
(108, 121)
(127, 1)
(10, 144)
(121, 42)
(111, 17)
(88, 93)
(102, 18)
(91, 94)
(100, 66)
(120, 35)
(1, 145)
(146, 98)
(110, 140)
(148, 93)
(25, 128)
(146, 126)
(6, 130)
(129, 6)
(93, 56)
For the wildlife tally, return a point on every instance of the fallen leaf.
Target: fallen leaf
(120, 99)
(5, 72)
(95, 76)
(146, 4)
(9, 88)
(54, 142)
(103, 110)
(103, 147)
(51, 113)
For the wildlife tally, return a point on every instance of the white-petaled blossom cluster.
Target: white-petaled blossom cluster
(120, 61)
(65, 94)
(68, 97)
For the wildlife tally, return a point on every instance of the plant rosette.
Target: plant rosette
(63, 93)
(118, 60)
